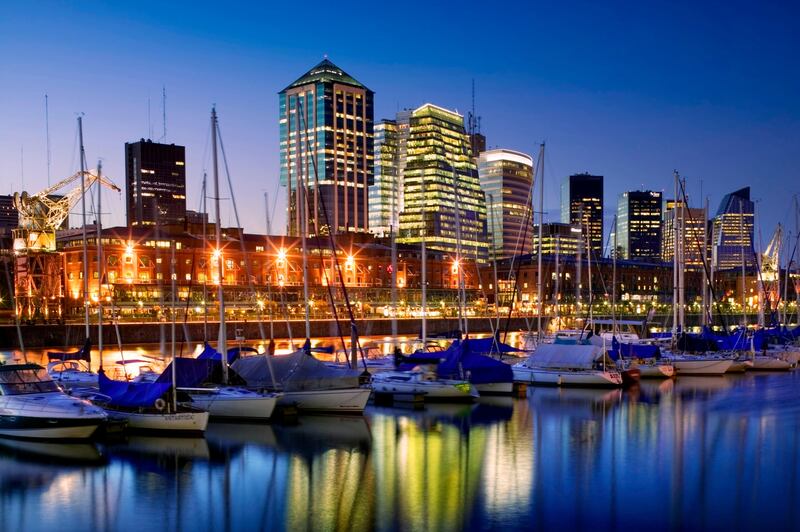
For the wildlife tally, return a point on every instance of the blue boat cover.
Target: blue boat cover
(209, 353)
(633, 350)
(486, 346)
(189, 372)
(131, 394)
(464, 358)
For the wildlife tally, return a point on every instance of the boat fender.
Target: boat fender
(160, 404)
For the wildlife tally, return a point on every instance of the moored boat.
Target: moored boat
(423, 381)
(568, 365)
(33, 406)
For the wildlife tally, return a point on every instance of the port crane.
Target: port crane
(38, 269)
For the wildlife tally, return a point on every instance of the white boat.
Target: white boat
(425, 383)
(495, 388)
(769, 363)
(233, 402)
(188, 422)
(33, 406)
(567, 365)
(304, 381)
(699, 365)
(342, 400)
(655, 370)
(740, 365)
(71, 373)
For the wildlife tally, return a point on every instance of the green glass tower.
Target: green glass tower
(441, 189)
(326, 121)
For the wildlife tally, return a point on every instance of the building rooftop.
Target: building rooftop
(324, 72)
(730, 202)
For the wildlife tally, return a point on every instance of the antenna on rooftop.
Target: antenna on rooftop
(164, 112)
(47, 136)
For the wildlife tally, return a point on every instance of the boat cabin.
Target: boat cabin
(21, 379)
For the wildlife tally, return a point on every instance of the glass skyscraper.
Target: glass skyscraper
(506, 177)
(693, 223)
(386, 193)
(441, 182)
(326, 124)
(732, 231)
(582, 204)
(639, 214)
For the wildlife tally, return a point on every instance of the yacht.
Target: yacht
(33, 406)
(72, 373)
(425, 382)
(568, 365)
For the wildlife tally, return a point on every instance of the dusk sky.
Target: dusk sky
(630, 90)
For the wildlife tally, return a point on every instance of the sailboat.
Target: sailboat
(70, 369)
(153, 406)
(221, 399)
(303, 381)
(568, 365)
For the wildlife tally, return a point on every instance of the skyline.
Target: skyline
(621, 106)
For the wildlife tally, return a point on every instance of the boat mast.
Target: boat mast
(267, 248)
(494, 264)
(682, 247)
(99, 247)
(589, 267)
(302, 208)
(579, 264)
(82, 157)
(675, 258)
(706, 287)
(204, 219)
(393, 238)
(741, 241)
(557, 284)
(614, 282)
(424, 253)
(459, 266)
(172, 277)
(222, 346)
(539, 276)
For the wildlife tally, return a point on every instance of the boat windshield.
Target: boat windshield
(25, 381)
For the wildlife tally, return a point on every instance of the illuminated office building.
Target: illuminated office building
(326, 149)
(693, 222)
(582, 204)
(557, 238)
(506, 177)
(732, 231)
(441, 185)
(386, 193)
(155, 179)
(639, 214)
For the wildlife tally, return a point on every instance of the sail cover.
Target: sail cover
(298, 371)
(131, 394)
(83, 353)
(464, 359)
(559, 356)
(209, 353)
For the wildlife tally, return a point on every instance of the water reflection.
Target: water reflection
(693, 453)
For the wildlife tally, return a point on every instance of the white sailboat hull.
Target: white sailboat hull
(182, 422)
(440, 389)
(762, 363)
(552, 377)
(250, 406)
(56, 433)
(740, 366)
(496, 388)
(701, 366)
(656, 371)
(342, 400)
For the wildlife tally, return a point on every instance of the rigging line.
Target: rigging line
(248, 270)
(529, 212)
(706, 265)
(349, 307)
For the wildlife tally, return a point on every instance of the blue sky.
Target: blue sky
(629, 90)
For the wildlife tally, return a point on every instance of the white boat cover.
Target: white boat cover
(565, 356)
(298, 371)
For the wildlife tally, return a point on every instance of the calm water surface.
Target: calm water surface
(698, 453)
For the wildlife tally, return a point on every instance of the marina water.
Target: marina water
(696, 453)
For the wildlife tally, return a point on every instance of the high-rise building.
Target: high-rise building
(386, 193)
(155, 178)
(582, 204)
(326, 151)
(9, 217)
(732, 231)
(506, 177)
(639, 214)
(442, 191)
(693, 222)
(557, 238)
